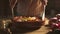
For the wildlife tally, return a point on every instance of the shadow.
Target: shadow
(2, 31)
(53, 32)
(23, 30)
(18, 28)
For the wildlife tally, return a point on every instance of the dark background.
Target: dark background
(4, 8)
(53, 8)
